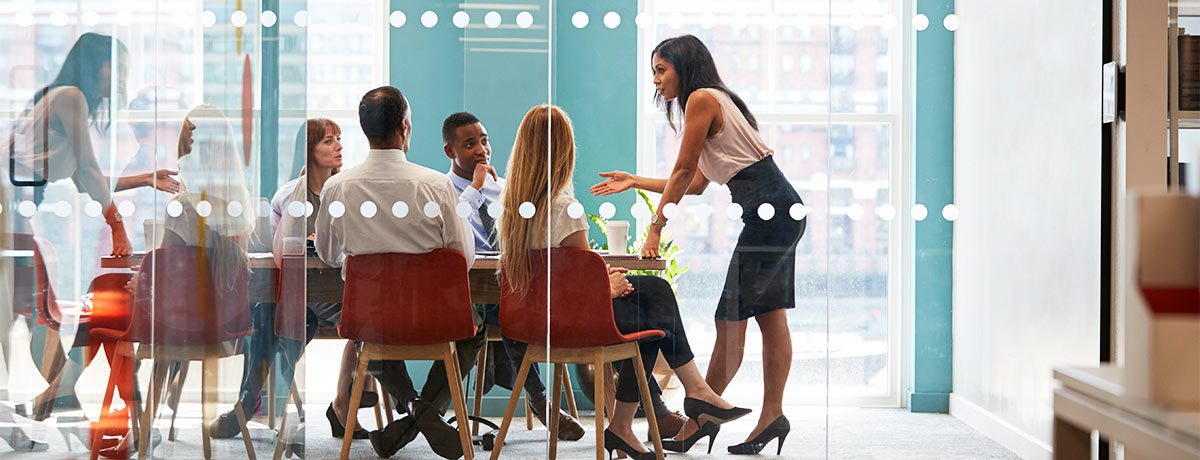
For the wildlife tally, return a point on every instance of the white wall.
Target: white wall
(1027, 182)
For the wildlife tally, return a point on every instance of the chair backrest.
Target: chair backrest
(178, 301)
(571, 301)
(290, 314)
(407, 299)
(33, 290)
(112, 304)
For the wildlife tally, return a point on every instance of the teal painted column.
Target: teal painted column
(427, 65)
(933, 184)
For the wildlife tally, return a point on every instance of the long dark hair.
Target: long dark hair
(696, 69)
(81, 69)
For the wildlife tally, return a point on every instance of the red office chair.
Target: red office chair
(180, 313)
(408, 306)
(579, 321)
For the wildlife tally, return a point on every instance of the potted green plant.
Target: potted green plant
(669, 251)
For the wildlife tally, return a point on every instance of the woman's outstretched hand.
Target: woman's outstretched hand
(616, 182)
(162, 180)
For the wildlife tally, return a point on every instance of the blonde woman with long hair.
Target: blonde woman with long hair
(543, 177)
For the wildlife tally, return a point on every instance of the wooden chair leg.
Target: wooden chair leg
(355, 399)
(512, 407)
(114, 375)
(552, 418)
(242, 419)
(208, 402)
(281, 437)
(647, 403)
(610, 397)
(528, 409)
(386, 400)
(458, 397)
(478, 395)
(271, 397)
(599, 396)
(175, 388)
(567, 387)
(158, 376)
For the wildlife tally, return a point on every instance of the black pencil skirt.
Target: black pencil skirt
(762, 271)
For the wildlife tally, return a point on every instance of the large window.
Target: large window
(822, 78)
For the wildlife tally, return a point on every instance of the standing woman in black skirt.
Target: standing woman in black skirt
(721, 144)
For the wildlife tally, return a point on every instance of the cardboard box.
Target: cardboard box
(1165, 308)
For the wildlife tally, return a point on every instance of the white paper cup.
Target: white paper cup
(618, 235)
(154, 231)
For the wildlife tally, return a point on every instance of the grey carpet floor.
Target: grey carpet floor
(852, 433)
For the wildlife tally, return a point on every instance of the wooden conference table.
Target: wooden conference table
(325, 283)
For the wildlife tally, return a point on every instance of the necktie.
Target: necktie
(489, 224)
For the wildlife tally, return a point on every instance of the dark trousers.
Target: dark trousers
(262, 348)
(651, 306)
(393, 374)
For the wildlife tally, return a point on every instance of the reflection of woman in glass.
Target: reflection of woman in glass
(721, 144)
(52, 141)
(639, 302)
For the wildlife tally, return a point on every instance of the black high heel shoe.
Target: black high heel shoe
(613, 442)
(777, 429)
(709, 429)
(338, 429)
(704, 412)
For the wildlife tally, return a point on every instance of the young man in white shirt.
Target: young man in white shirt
(347, 226)
(480, 187)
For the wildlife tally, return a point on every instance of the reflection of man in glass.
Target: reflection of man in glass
(52, 141)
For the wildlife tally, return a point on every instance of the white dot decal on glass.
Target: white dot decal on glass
(1, 208)
(400, 209)
(203, 208)
(919, 212)
(27, 208)
(642, 20)
(432, 210)
(888, 22)
(612, 20)
(766, 211)
(461, 19)
(707, 21)
(798, 211)
(524, 19)
(675, 20)
(886, 212)
(269, 18)
(126, 208)
(920, 22)
(607, 210)
(208, 18)
(234, 209)
(495, 210)
(296, 209)
(463, 210)
(639, 211)
(308, 209)
(670, 210)
(855, 212)
(124, 19)
(89, 18)
(301, 18)
(367, 209)
(58, 18)
(24, 19)
(950, 212)
(397, 19)
(337, 209)
(579, 19)
(174, 208)
(856, 22)
(527, 210)
(429, 19)
(575, 210)
(238, 18)
(62, 209)
(734, 211)
(491, 19)
(264, 207)
(951, 22)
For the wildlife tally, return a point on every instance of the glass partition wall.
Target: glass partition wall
(274, 202)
